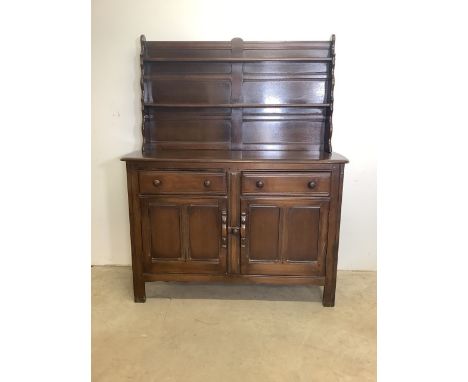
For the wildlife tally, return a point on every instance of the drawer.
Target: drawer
(314, 183)
(181, 182)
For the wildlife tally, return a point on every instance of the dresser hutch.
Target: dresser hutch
(236, 180)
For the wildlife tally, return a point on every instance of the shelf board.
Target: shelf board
(228, 76)
(236, 105)
(235, 59)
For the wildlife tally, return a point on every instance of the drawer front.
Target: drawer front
(303, 183)
(180, 182)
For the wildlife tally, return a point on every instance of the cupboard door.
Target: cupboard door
(184, 235)
(283, 236)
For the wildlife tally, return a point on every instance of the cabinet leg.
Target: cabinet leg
(328, 298)
(139, 290)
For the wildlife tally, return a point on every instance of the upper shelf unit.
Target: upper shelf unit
(237, 94)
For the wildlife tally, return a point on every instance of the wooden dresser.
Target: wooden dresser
(236, 180)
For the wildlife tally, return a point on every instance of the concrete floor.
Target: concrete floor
(219, 332)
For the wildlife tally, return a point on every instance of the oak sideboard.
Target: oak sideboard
(236, 180)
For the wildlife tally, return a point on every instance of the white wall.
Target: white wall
(116, 27)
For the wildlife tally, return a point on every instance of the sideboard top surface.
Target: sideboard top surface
(235, 156)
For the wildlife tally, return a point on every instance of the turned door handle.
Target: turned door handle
(259, 184)
(312, 184)
(224, 229)
(242, 229)
(156, 182)
(207, 183)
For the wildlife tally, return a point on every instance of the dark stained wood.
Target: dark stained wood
(183, 69)
(177, 182)
(186, 126)
(277, 183)
(280, 78)
(303, 233)
(271, 91)
(275, 241)
(183, 234)
(163, 229)
(262, 238)
(236, 180)
(333, 237)
(248, 51)
(236, 279)
(146, 133)
(178, 90)
(237, 59)
(204, 231)
(236, 105)
(234, 218)
(235, 156)
(330, 96)
(135, 233)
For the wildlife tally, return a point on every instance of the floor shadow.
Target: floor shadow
(177, 290)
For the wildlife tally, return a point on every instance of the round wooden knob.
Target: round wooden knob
(235, 230)
(311, 184)
(156, 182)
(207, 183)
(259, 183)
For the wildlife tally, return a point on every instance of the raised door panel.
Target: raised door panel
(165, 233)
(264, 233)
(183, 235)
(284, 236)
(302, 233)
(204, 232)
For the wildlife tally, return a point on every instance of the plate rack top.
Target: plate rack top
(237, 95)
